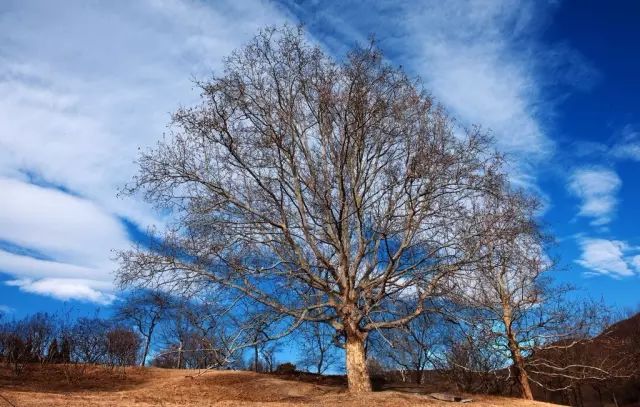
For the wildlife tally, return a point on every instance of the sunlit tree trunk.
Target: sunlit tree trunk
(357, 374)
(516, 355)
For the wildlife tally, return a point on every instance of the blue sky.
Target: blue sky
(84, 84)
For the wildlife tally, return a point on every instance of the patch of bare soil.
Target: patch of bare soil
(164, 387)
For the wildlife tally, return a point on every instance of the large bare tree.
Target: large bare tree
(325, 190)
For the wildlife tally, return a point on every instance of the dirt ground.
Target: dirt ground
(163, 387)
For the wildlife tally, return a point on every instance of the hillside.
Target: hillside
(165, 387)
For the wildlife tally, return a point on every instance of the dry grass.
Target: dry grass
(161, 387)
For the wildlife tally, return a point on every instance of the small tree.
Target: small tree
(123, 347)
(509, 293)
(53, 353)
(317, 347)
(89, 338)
(411, 348)
(145, 310)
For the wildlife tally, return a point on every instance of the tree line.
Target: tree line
(45, 338)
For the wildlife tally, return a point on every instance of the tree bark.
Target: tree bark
(514, 346)
(521, 373)
(357, 374)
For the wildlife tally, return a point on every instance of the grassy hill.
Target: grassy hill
(166, 387)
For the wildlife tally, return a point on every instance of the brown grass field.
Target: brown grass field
(165, 387)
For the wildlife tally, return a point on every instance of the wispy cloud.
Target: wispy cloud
(623, 145)
(83, 85)
(628, 146)
(597, 188)
(481, 59)
(5, 309)
(608, 257)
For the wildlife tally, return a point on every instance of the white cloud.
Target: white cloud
(84, 85)
(468, 61)
(607, 257)
(63, 226)
(67, 289)
(597, 188)
(74, 235)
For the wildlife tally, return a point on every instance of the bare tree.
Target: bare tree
(470, 359)
(145, 310)
(123, 347)
(411, 348)
(89, 340)
(507, 285)
(213, 331)
(324, 190)
(317, 347)
(510, 293)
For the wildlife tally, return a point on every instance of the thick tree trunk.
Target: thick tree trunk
(357, 374)
(514, 347)
(521, 373)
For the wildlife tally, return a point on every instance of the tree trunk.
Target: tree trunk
(418, 374)
(357, 374)
(514, 347)
(255, 358)
(180, 356)
(614, 399)
(146, 351)
(521, 373)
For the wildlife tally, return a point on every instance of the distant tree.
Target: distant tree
(471, 361)
(317, 347)
(38, 330)
(215, 331)
(66, 349)
(169, 358)
(324, 190)
(145, 309)
(285, 368)
(89, 337)
(411, 348)
(268, 352)
(53, 353)
(123, 347)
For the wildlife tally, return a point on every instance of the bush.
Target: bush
(285, 368)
